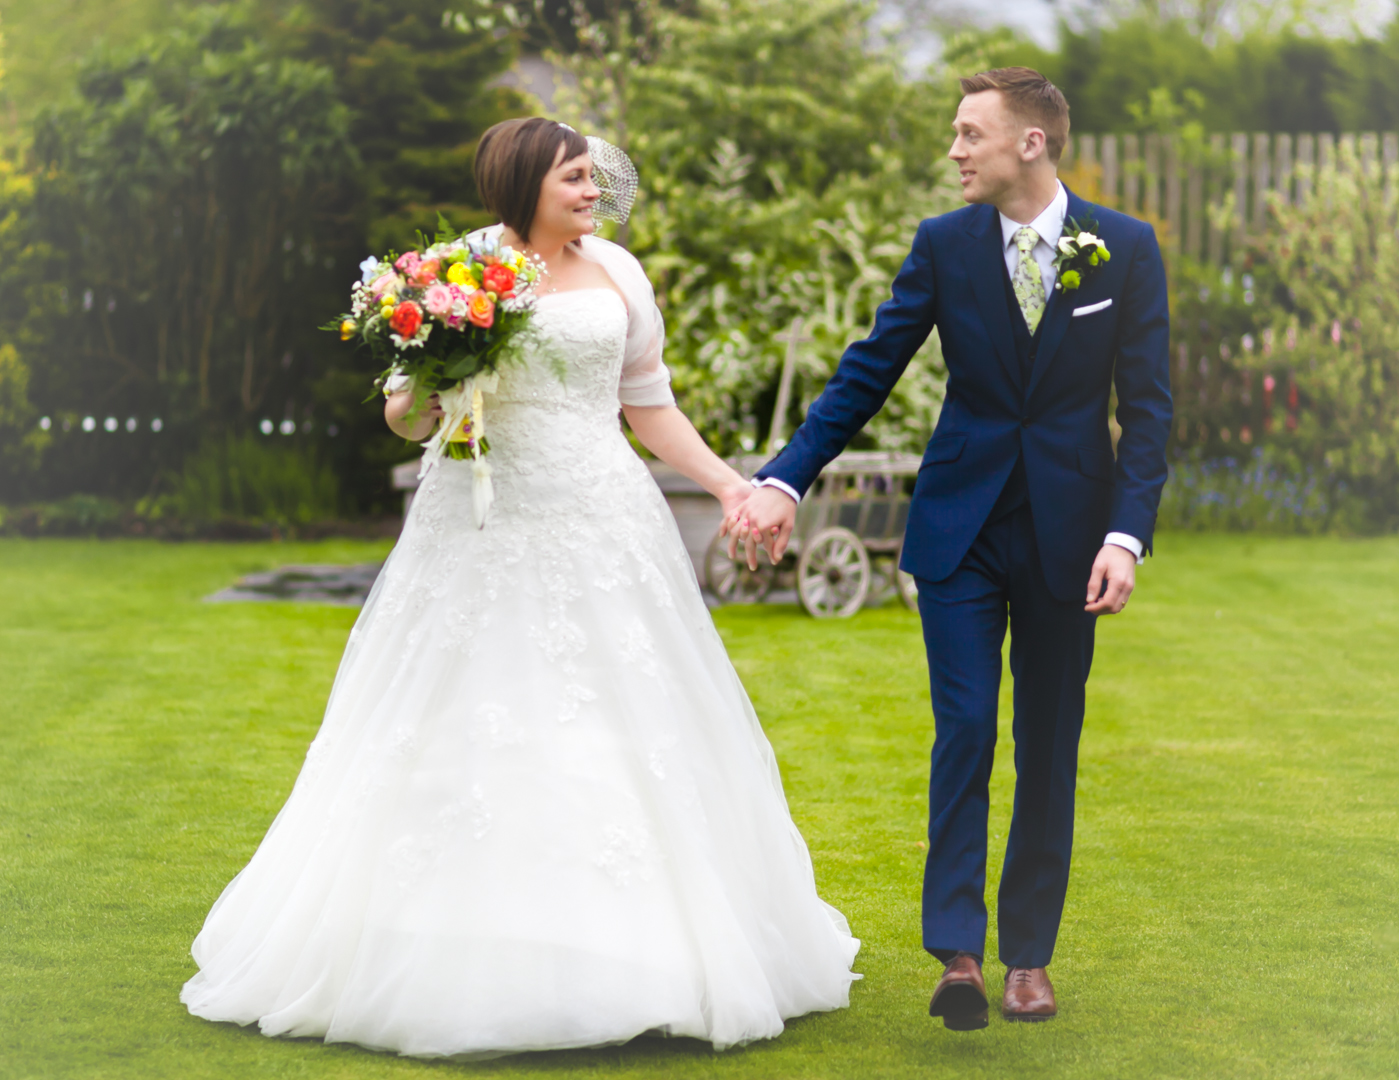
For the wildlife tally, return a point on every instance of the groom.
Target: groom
(1021, 511)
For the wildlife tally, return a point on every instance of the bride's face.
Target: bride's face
(566, 197)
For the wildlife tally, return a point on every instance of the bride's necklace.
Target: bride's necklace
(544, 285)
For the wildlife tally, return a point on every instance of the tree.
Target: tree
(419, 82)
(199, 188)
(785, 165)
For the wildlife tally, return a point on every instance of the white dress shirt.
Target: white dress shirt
(1049, 226)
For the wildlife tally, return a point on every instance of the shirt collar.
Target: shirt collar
(1048, 226)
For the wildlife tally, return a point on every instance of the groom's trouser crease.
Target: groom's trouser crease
(964, 624)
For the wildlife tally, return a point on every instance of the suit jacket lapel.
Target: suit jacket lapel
(985, 262)
(1059, 310)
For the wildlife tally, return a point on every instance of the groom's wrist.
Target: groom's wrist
(785, 488)
(1128, 543)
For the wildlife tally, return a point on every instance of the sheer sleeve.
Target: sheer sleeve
(645, 378)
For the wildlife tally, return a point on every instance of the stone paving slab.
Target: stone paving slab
(347, 586)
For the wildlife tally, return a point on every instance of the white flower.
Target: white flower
(370, 269)
(1087, 239)
(416, 341)
(1066, 245)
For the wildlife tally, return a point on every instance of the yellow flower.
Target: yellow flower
(347, 329)
(1071, 279)
(1103, 252)
(458, 274)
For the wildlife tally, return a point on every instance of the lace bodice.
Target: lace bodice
(577, 366)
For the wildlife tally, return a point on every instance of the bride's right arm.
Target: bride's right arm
(668, 433)
(396, 409)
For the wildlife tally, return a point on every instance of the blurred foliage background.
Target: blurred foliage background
(186, 190)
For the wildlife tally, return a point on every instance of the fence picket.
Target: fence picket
(1283, 173)
(1151, 176)
(1391, 161)
(1262, 180)
(1212, 195)
(1131, 173)
(1147, 176)
(1238, 154)
(1306, 158)
(1173, 192)
(1107, 150)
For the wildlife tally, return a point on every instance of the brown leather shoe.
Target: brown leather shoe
(960, 997)
(1029, 995)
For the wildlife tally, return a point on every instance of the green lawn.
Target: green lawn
(1233, 910)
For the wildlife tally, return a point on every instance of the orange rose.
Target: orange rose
(425, 273)
(480, 309)
(406, 319)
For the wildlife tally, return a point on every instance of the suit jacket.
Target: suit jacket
(1113, 330)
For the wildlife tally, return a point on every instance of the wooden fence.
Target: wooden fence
(1145, 175)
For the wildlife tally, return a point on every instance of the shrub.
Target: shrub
(1296, 350)
(77, 515)
(1257, 492)
(250, 479)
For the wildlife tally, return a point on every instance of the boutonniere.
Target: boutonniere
(1078, 253)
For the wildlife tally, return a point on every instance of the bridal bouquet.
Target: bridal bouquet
(442, 320)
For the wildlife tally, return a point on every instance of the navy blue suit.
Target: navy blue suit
(1016, 492)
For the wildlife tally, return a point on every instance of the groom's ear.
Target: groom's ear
(1034, 144)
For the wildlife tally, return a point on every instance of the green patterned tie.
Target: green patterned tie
(1029, 286)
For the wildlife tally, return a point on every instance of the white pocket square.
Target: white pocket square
(1092, 308)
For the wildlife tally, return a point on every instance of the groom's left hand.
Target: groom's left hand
(1112, 581)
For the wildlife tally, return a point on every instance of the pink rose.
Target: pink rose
(438, 300)
(386, 283)
(408, 262)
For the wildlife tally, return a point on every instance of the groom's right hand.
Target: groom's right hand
(766, 517)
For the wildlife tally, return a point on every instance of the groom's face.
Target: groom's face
(989, 149)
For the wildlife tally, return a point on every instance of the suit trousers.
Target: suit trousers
(964, 627)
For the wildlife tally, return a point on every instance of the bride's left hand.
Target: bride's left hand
(734, 496)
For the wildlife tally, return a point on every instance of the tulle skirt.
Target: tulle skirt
(540, 812)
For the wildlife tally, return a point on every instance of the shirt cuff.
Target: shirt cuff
(1131, 543)
(786, 489)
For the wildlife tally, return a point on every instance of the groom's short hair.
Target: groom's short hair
(1032, 98)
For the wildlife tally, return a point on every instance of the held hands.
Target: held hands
(1113, 578)
(766, 517)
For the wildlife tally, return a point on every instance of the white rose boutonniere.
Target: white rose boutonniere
(1079, 252)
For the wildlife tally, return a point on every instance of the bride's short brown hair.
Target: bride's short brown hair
(1032, 98)
(512, 160)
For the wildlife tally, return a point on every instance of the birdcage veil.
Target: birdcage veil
(616, 178)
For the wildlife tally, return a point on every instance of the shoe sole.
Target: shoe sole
(961, 1007)
(966, 1021)
(1022, 1019)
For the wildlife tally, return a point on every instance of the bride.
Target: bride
(540, 811)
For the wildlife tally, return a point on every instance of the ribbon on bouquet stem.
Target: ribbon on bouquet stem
(466, 399)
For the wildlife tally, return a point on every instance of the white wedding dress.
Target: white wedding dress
(540, 811)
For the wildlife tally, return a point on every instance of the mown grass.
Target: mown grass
(1232, 912)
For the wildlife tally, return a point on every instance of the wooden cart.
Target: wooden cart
(845, 548)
